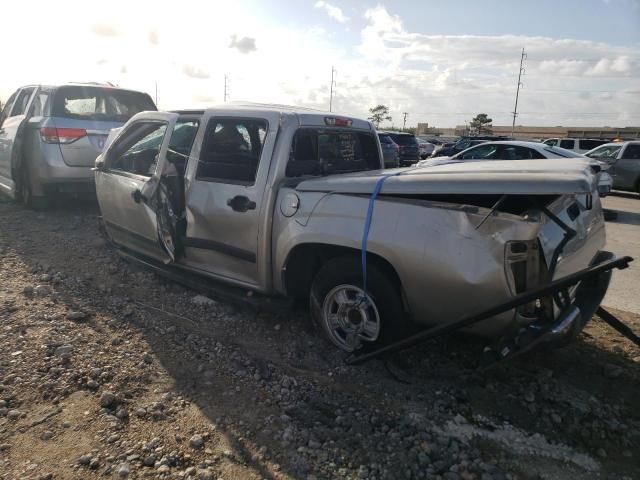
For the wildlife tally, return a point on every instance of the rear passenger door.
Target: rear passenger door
(127, 181)
(11, 129)
(227, 220)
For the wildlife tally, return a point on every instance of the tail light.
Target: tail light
(338, 121)
(61, 135)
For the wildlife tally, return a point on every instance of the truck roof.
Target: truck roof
(306, 116)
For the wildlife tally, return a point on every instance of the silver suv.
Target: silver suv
(50, 136)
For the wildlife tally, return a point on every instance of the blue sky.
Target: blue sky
(615, 21)
(442, 62)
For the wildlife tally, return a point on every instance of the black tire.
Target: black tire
(382, 291)
(25, 192)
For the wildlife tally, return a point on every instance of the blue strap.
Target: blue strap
(367, 226)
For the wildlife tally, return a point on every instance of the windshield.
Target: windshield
(99, 103)
(606, 151)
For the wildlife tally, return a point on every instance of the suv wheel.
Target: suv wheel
(25, 191)
(347, 318)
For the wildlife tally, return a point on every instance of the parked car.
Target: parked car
(408, 144)
(390, 151)
(275, 201)
(425, 148)
(516, 150)
(579, 145)
(624, 161)
(463, 144)
(440, 146)
(50, 136)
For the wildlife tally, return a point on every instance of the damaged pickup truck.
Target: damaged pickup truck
(282, 202)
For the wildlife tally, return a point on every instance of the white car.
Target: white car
(514, 150)
(579, 145)
(425, 149)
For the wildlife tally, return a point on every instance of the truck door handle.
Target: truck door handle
(137, 196)
(240, 203)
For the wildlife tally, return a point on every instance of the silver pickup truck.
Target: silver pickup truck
(282, 202)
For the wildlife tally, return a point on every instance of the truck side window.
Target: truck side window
(231, 150)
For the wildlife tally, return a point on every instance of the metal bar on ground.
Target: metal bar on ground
(521, 299)
(616, 324)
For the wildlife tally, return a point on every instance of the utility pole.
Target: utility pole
(226, 88)
(333, 71)
(404, 121)
(521, 72)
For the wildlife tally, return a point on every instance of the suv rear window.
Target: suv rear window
(98, 103)
(404, 140)
(590, 144)
(323, 152)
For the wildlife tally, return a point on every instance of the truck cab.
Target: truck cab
(208, 182)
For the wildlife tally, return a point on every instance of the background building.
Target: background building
(525, 132)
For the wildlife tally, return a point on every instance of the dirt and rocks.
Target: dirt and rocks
(107, 371)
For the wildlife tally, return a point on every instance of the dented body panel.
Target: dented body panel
(448, 268)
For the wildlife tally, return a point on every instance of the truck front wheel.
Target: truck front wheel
(350, 319)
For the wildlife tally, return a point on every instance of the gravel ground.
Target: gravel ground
(107, 371)
(623, 238)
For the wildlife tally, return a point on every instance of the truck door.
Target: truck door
(226, 215)
(10, 130)
(128, 185)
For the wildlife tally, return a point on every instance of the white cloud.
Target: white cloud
(195, 72)
(331, 10)
(244, 44)
(440, 79)
(104, 30)
(445, 78)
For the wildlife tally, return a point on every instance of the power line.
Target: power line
(333, 71)
(523, 57)
(226, 88)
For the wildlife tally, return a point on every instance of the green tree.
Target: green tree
(379, 114)
(481, 124)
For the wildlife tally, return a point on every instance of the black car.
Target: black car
(467, 142)
(408, 144)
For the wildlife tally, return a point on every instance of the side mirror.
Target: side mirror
(99, 165)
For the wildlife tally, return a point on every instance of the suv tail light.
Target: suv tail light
(61, 135)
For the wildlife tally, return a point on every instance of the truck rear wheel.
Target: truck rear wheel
(349, 319)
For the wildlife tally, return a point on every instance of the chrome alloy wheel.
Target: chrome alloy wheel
(349, 318)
